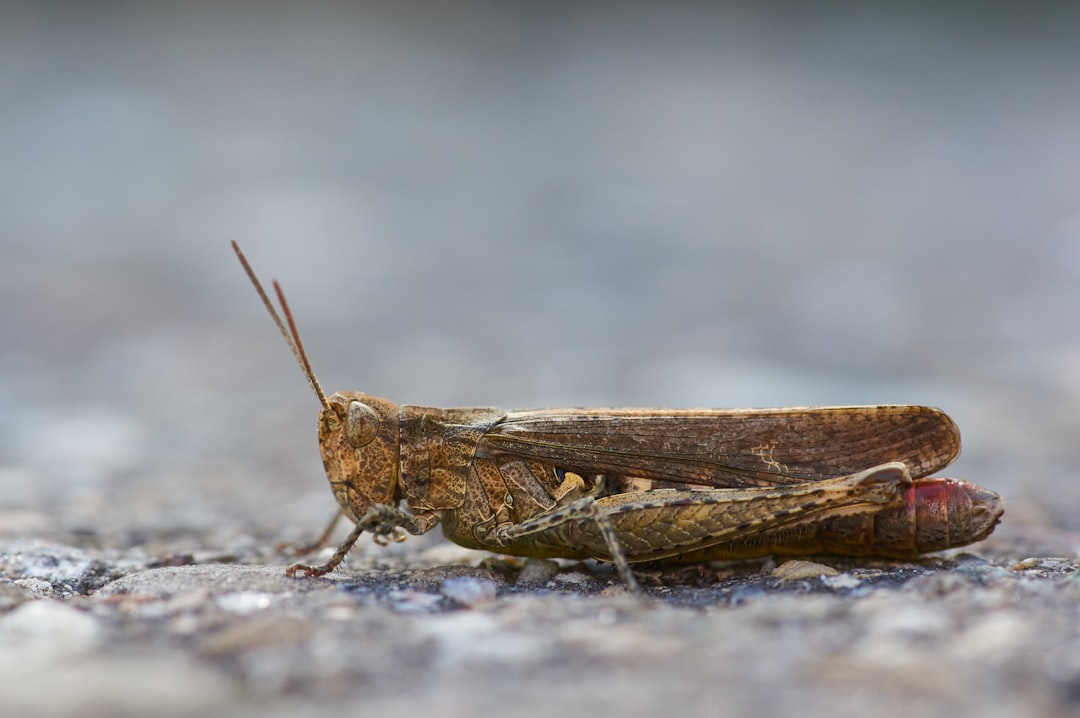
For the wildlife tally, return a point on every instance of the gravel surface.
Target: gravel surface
(631, 204)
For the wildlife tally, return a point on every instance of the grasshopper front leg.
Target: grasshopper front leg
(381, 519)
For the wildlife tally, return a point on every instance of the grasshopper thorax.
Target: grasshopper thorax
(360, 442)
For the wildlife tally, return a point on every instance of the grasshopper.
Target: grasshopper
(634, 485)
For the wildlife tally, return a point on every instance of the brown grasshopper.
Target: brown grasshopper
(633, 485)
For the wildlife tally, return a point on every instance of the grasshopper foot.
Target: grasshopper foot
(302, 570)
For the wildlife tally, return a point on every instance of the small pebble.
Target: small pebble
(245, 602)
(538, 570)
(801, 570)
(1047, 564)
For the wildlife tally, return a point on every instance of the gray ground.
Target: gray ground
(667, 204)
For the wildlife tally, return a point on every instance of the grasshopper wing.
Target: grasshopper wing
(728, 447)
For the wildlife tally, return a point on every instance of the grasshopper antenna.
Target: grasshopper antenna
(291, 335)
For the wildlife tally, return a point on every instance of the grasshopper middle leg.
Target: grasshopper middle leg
(586, 509)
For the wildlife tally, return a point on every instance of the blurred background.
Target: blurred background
(524, 205)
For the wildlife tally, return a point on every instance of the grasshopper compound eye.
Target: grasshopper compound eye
(362, 424)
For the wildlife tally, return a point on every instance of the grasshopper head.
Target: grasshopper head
(359, 441)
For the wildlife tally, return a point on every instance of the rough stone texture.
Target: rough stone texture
(971, 632)
(669, 204)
